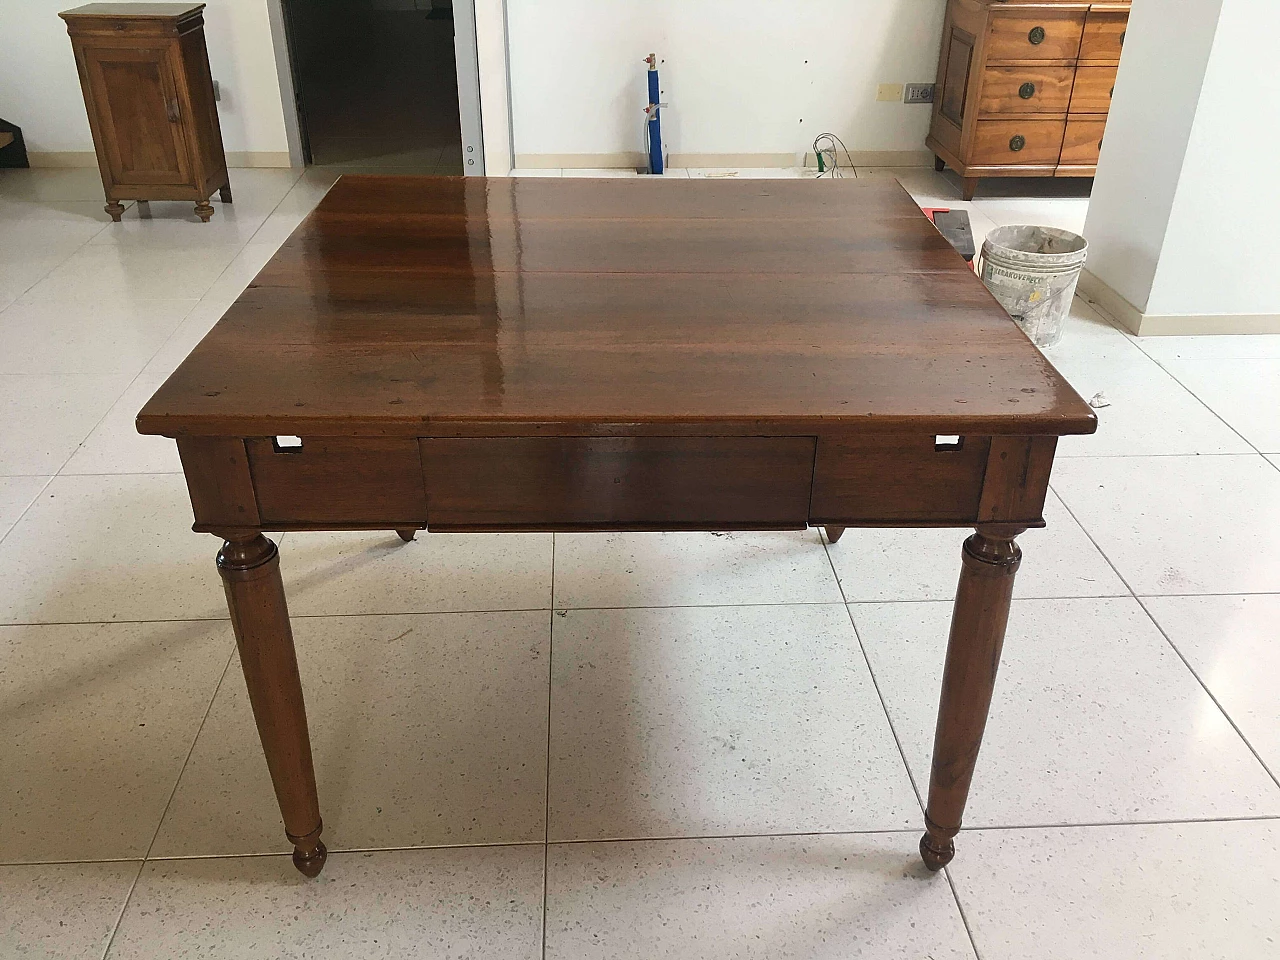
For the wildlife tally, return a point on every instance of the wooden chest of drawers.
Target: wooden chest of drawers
(1024, 87)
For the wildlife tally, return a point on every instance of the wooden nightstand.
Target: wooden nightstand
(145, 74)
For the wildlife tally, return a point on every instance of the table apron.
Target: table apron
(615, 482)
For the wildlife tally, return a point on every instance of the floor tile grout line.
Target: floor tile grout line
(231, 655)
(669, 838)
(172, 793)
(1170, 374)
(25, 510)
(546, 790)
(214, 618)
(1178, 653)
(884, 706)
(115, 927)
(1204, 686)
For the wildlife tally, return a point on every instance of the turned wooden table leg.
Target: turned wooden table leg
(115, 208)
(978, 621)
(250, 569)
(204, 210)
(834, 533)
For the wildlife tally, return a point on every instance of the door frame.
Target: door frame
(484, 94)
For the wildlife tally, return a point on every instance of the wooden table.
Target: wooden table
(570, 355)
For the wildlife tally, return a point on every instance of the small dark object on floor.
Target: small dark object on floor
(954, 225)
(13, 150)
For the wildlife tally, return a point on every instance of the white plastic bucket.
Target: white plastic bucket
(1033, 272)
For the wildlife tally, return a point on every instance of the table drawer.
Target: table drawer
(336, 481)
(1094, 89)
(898, 478)
(1083, 141)
(1017, 142)
(1026, 89)
(1104, 34)
(667, 483)
(1039, 35)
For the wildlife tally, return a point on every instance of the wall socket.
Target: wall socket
(919, 93)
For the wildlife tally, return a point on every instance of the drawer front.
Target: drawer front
(1104, 34)
(338, 481)
(1017, 142)
(640, 483)
(1083, 141)
(898, 478)
(1093, 90)
(1042, 35)
(1026, 89)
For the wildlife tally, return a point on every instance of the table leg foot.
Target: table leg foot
(309, 852)
(224, 193)
(978, 621)
(407, 535)
(250, 569)
(937, 848)
(115, 208)
(834, 533)
(204, 210)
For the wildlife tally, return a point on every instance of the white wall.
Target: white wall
(1152, 113)
(1222, 248)
(1182, 221)
(40, 91)
(742, 76)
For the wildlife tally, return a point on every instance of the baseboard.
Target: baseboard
(880, 158)
(258, 158)
(581, 161)
(741, 161)
(67, 159)
(62, 158)
(1099, 293)
(630, 161)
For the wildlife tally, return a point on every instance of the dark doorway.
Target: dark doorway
(376, 83)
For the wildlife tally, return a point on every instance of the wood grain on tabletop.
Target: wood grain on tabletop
(469, 302)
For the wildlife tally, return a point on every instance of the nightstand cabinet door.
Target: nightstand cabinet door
(136, 106)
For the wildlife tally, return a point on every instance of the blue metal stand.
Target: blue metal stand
(653, 112)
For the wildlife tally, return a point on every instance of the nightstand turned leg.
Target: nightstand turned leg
(224, 193)
(407, 535)
(204, 210)
(834, 533)
(978, 620)
(250, 569)
(115, 208)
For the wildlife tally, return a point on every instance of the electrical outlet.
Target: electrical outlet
(919, 93)
(889, 93)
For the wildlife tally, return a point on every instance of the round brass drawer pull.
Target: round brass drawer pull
(1027, 91)
(1036, 36)
(1017, 143)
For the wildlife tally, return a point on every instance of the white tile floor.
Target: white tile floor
(723, 737)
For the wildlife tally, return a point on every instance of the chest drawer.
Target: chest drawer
(338, 481)
(1083, 141)
(1026, 89)
(898, 478)
(670, 483)
(1093, 90)
(1038, 35)
(1104, 33)
(1015, 142)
